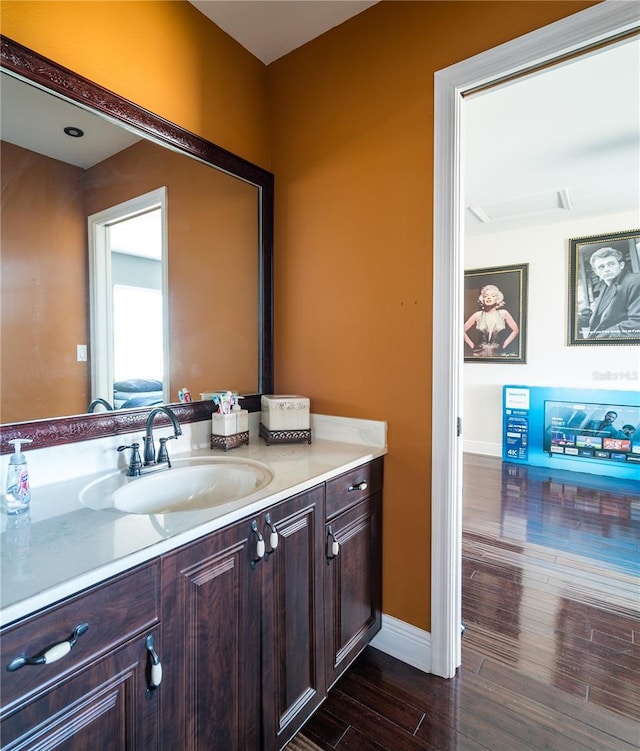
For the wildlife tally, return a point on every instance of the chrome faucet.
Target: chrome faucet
(95, 402)
(149, 448)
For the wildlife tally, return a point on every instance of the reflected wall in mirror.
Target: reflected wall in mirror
(219, 251)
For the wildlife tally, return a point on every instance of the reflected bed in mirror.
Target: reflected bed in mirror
(218, 270)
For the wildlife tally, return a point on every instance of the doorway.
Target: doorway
(583, 31)
(128, 291)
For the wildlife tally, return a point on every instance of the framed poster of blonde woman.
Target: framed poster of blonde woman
(495, 314)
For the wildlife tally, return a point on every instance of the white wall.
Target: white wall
(550, 362)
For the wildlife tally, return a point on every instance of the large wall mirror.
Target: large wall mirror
(136, 261)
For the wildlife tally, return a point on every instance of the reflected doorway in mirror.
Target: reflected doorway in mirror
(129, 301)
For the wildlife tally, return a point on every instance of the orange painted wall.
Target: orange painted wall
(43, 289)
(212, 262)
(352, 129)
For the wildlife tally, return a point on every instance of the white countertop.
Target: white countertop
(61, 547)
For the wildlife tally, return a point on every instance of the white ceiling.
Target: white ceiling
(36, 120)
(572, 129)
(270, 29)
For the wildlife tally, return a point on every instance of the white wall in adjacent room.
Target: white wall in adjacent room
(550, 362)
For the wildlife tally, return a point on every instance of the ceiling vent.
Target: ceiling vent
(524, 206)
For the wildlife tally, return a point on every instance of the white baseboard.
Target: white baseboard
(404, 642)
(480, 447)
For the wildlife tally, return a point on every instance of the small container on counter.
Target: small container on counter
(18, 493)
(230, 424)
(285, 419)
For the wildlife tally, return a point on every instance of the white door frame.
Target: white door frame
(100, 289)
(600, 23)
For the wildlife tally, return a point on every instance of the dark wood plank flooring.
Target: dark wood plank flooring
(551, 651)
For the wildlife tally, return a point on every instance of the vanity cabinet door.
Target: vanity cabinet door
(353, 576)
(105, 617)
(105, 703)
(210, 695)
(293, 679)
(92, 684)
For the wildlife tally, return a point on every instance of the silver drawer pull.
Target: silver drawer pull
(273, 536)
(260, 545)
(52, 654)
(358, 486)
(155, 672)
(333, 546)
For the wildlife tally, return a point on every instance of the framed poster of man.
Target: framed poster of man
(604, 289)
(495, 314)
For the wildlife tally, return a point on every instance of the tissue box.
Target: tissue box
(284, 412)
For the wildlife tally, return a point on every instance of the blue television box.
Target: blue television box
(585, 430)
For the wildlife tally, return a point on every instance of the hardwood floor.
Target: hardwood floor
(551, 651)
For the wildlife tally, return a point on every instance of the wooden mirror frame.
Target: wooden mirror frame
(50, 76)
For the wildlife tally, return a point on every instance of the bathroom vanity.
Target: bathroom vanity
(253, 616)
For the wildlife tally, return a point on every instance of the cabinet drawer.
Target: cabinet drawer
(351, 487)
(115, 611)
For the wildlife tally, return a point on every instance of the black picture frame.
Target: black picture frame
(484, 342)
(602, 314)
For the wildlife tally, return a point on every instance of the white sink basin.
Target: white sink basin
(190, 484)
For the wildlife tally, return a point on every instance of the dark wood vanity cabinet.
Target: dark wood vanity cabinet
(293, 676)
(252, 623)
(98, 688)
(322, 601)
(245, 665)
(353, 575)
(210, 696)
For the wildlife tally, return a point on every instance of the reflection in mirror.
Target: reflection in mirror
(212, 239)
(137, 295)
(128, 291)
(216, 295)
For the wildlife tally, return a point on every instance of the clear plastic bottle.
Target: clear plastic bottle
(18, 495)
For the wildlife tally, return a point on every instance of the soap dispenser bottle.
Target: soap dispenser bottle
(18, 495)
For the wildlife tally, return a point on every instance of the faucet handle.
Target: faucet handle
(135, 463)
(163, 456)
